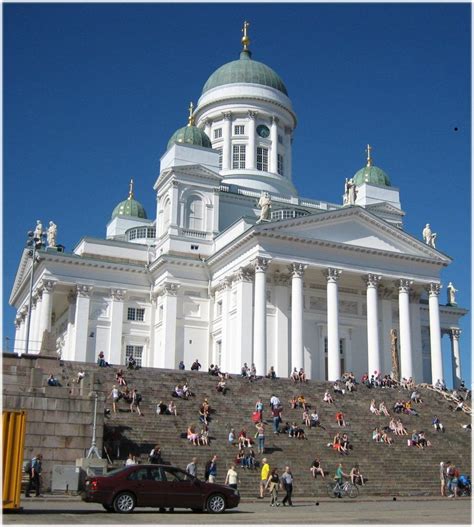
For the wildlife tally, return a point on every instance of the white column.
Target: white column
(46, 310)
(435, 333)
(260, 316)
(274, 148)
(207, 127)
(174, 218)
(288, 159)
(24, 318)
(334, 362)
(252, 147)
(226, 344)
(170, 311)
(454, 334)
(373, 341)
(406, 358)
(297, 308)
(116, 327)
(36, 321)
(17, 343)
(71, 315)
(281, 360)
(34, 343)
(227, 141)
(81, 322)
(244, 319)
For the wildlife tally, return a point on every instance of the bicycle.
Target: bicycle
(346, 489)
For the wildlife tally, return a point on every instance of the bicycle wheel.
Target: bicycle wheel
(352, 491)
(330, 490)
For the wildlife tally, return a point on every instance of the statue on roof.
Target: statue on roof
(265, 204)
(51, 234)
(429, 237)
(38, 230)
(451, 291)
(350, 192)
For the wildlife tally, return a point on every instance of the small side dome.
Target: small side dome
(371, 174)
(190, 134)
(130, 207)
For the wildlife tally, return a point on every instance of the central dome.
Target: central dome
(245, 70)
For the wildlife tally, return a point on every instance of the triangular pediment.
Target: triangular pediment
(353, 227)
(384, 207)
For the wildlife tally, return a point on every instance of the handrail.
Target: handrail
(448, 396)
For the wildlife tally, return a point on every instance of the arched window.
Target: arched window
(194, 214)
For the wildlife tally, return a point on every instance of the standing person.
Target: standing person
(210, 472)
(35, 475)
(339, 478)
(136, 400)
(287, 483)
(274, 482)
(442, 477)
(192, 467)
(260, 438)
(259, 409)
(264, 473)
(276, 418)
(155, 456)
(181, 365)
(232, 477)
(115, 395)
(196, 366)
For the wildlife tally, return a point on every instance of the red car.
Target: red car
(158, 486)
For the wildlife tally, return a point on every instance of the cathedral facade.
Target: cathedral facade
(235, 266)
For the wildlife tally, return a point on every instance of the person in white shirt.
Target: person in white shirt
(274, 401)
(192, 467)
(131, 460)
(232, 477)
(115, 395)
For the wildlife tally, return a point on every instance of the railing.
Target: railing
(193, 234)
(448, 396)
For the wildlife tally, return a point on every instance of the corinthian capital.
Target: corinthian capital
(48, 285)
(118, 294)
(404, 285)
(372, 280)
(243, 275)
(333, 274)
(297, 269)
(227, 116)
(252, 115)
(170, 289)
(84, 291)
(455, 333)
(434, 288)
(261, 264)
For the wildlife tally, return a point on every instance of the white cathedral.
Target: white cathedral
(236, 267)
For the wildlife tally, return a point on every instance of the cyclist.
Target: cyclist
(340, 474)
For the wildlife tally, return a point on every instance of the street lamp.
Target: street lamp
(34, 242)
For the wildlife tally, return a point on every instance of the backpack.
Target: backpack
(28, 467)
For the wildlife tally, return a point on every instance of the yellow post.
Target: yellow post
(14, 427)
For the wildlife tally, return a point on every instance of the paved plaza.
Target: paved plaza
(305, 511)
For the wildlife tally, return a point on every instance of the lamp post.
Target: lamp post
(35, 241)
(93, 449)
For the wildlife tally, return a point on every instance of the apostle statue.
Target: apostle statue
(38, 230)
(451, 290)
(264, 204)
(429, 237)
(350, 192)
(51, 234)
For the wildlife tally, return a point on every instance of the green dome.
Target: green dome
(371, 174)
(191, 135)
(245, 70)
(129, 207)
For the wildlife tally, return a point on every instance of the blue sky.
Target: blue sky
(92, 93)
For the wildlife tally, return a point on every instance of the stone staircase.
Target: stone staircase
(391, 470)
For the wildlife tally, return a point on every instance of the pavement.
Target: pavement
(71, 510)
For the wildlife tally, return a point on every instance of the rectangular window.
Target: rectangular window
(135, 313)
(219, 308)
(217, 133)
(262, 158)
(136, 352)
(194, 247)
(280, 164)
(239, 129)
(220, 157)
(238, 156)
(218, 357)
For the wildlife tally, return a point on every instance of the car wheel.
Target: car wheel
(108, 508)
(215, 504)
(124, 502)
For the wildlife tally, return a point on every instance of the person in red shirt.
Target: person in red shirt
(340, 419)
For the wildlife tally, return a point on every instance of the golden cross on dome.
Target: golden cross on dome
(369, 158)
(130, 190)
(191, 116)
(245, 38)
